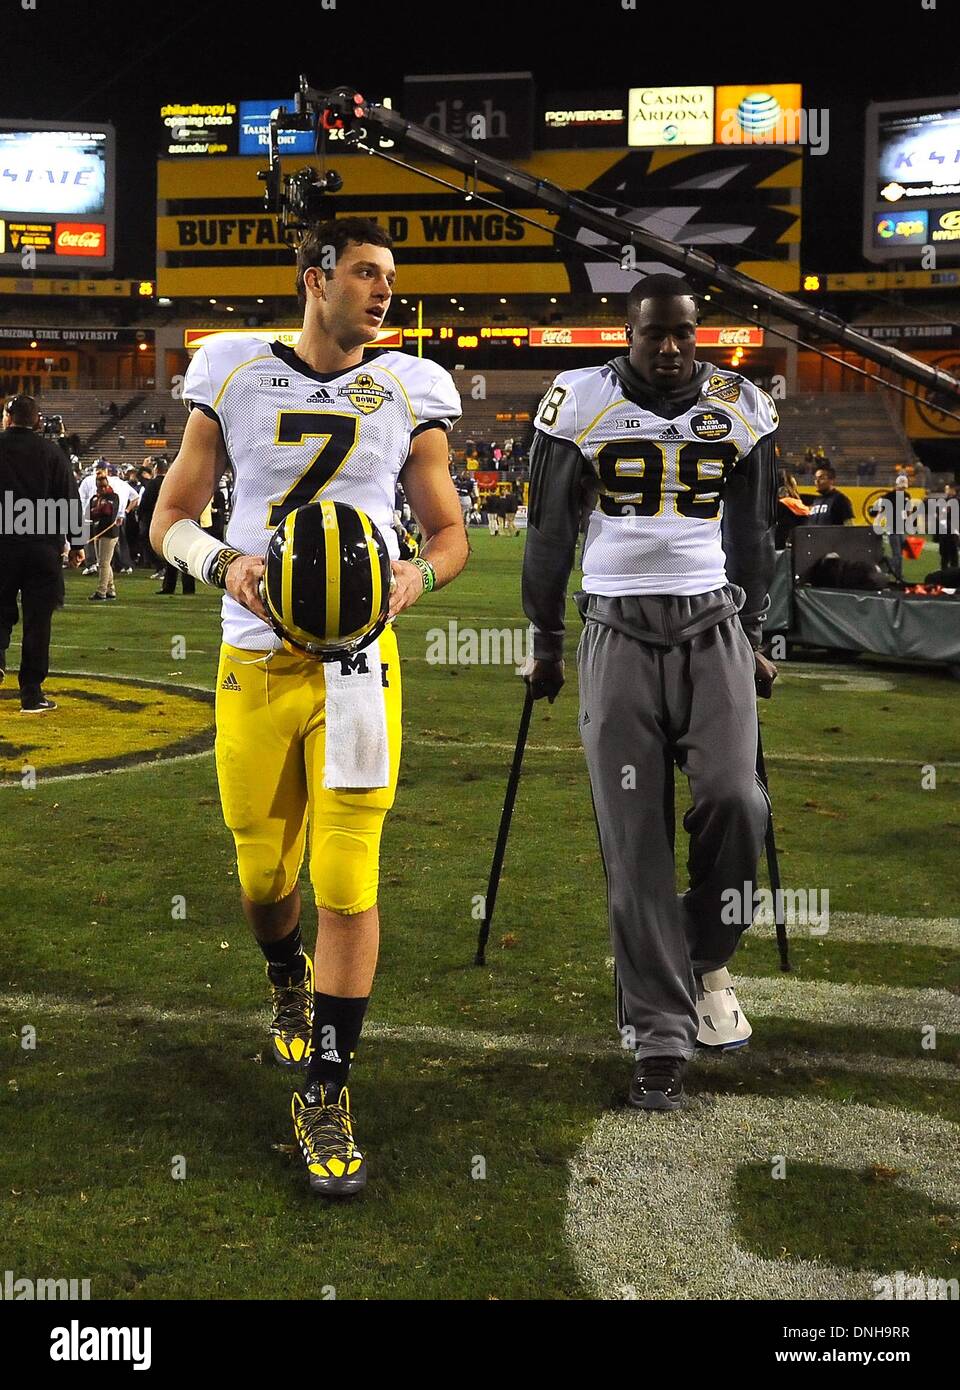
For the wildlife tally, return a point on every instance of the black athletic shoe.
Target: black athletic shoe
(291, 1029)
(97, 598)
(658, 1084)
(324, 1132)
(37, 704)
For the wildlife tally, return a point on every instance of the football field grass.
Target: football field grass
(146, 1145)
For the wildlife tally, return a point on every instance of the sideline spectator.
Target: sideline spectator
(128, 499)
(104, 513)
(791, 509)
(948, 529)
(148, 502)
(831, 507)
(510, 505)
(900, 507)
(32, 469)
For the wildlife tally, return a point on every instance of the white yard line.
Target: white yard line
(27, 1008)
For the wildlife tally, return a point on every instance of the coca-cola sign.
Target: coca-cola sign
(81, 239)
(740, 336)
(734, 336)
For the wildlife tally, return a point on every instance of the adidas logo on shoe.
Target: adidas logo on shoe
(322, 395)
(332, 1056)
(230, 683)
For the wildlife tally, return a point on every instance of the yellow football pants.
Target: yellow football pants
(270, 751)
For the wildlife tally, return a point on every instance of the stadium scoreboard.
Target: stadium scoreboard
(57, 196)
(911, 196)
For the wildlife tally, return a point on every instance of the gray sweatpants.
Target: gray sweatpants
(664, 680)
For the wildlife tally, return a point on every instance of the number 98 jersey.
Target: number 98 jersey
(655, 528)
(295, 435)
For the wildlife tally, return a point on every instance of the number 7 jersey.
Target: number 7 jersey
(656, 525)
(294, 435)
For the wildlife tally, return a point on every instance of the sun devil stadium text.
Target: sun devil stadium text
(15, 1289)
(76, 1343)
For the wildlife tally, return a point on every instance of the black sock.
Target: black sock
(337, 1023)
(286, 962)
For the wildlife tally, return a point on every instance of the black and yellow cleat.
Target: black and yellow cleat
(324, 1131)
(291, 1030)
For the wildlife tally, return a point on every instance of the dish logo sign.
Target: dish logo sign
(81, 239)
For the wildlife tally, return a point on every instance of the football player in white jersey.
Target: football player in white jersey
(677, 461)
(326, 421)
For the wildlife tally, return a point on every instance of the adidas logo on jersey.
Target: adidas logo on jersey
(230, 683)
(322, 395)
(671, 432)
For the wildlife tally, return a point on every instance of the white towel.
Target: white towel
(356, 753)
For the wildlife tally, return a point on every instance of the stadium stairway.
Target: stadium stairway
(110, 425)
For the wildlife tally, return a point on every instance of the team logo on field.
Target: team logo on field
(723, 388)
(101, 723)
(365, 393)
(710, 424)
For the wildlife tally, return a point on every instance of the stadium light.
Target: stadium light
(142, 347)
(213, 301)
(145, 289)
(811, 282)
(502, 300)
(259, 301)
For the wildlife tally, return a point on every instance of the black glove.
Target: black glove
(543, 678)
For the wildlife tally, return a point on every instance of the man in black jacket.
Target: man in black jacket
(676, 461)
(40, 505)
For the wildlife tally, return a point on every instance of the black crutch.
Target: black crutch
(773, 863)
(493, 883)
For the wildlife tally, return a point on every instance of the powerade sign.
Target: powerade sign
(255, 129)
(907, 228)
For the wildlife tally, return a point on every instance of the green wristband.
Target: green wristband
(427, 574)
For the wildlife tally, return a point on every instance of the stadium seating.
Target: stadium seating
(854, 427)
(101, 436)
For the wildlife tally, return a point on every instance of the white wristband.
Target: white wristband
(194, 552)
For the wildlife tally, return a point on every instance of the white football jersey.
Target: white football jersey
(293, 435)
(655, 528)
